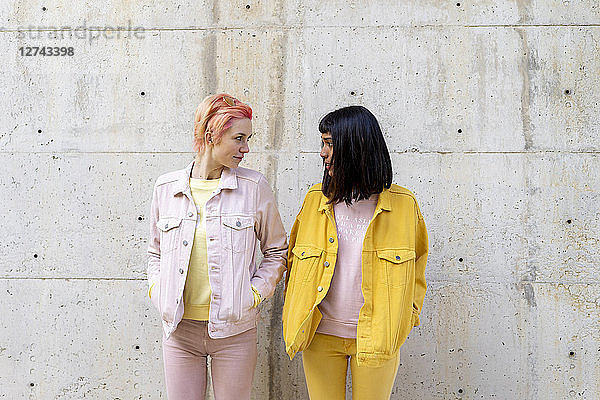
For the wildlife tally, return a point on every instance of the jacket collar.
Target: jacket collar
(323, 204)
(228, 180)
(384, 202)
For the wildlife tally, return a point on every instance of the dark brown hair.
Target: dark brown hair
(360, 161)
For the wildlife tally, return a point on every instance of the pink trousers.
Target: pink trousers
(233, 360)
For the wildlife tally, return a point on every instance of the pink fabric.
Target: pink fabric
(233, 360)
(343, 301)
(240, 215)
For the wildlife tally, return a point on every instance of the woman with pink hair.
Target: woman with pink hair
(205, 223)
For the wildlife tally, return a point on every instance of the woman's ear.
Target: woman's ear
(208, 137)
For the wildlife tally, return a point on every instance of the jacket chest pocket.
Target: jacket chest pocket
(306, 259)
(397, 263)
(237, 231)
(169, 233)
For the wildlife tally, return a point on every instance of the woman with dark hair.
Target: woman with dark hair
(355, 281)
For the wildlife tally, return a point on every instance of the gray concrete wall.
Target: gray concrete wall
(491, 110)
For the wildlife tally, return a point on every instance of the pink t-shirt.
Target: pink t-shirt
(343, 301)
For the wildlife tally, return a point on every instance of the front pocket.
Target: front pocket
(397, 263)
(169, 231)
(236, 232)
(306, 259)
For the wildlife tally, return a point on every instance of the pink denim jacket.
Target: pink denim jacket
(241, 212)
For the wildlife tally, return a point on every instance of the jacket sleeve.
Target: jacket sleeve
(153, 270)
(273, 242)
(421, 250)
(290, 257)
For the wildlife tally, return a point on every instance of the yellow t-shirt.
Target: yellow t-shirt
(196, 293)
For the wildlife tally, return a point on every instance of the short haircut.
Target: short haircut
(216, 114)
(360, 162)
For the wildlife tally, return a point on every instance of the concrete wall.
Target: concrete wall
(491, 110)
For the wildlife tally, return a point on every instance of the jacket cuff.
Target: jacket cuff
(261, 287)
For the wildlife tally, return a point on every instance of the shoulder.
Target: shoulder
(403, 197)
(314, 193)
(249, 175)
(169, 177)
(312, 199)
(397, 191)
(315, 188)
(253, 181)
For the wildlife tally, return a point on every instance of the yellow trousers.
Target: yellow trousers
(325, 363)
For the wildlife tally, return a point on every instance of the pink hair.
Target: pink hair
(215, 115)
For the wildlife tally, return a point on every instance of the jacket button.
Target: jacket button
(238, 224)
(326, 263)
(330, 240)
(185, 243)
(166, 226)
(302, 253)
(181, 271)
(398, 258)
(320, 288)
(190, 214)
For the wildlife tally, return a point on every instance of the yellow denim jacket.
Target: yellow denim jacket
(394, 255)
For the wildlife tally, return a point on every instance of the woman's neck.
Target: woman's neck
(206, 168)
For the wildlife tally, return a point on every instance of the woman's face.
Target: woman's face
(230, 151)
(327, 151)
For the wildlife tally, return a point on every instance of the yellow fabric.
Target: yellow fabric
(257, 297)
(393, 273)
(150, 290)
(325, 364)
(196, 293)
